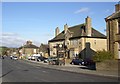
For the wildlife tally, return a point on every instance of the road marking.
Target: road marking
(43, 80)
(44, 71)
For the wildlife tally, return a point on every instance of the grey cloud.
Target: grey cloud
(14, 40)
(11, 40)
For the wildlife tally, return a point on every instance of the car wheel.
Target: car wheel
(79, 63)
(72, 63)
(83, 63)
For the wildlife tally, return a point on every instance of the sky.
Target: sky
(36, 21)
(59, 0)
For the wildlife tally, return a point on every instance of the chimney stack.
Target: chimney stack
(57, 31)
(29, 42)
(65, 28)
(88, 26)
(117, 7)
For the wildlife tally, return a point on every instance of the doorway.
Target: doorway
(119, 50)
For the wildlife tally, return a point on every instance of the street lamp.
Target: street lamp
(60, 45)
(59, 48)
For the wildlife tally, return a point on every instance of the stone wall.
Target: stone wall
(111, 65)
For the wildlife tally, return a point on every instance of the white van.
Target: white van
(34, 56)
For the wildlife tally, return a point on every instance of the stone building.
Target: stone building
(80, 40)
(44, 50)
(28, 49)
(113, 32)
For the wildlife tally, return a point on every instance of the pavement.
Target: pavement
(78, 69)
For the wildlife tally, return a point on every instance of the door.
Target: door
(119, 51)
(71, 53)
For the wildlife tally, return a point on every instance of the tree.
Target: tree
(3, 50)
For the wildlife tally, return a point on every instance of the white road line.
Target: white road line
(44, 71)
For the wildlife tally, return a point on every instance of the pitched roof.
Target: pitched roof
(29, 46)
(113, 16)
(44, 47)
(77, 33)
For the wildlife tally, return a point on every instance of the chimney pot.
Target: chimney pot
(65, 28)
(117, 7)
(57, 31)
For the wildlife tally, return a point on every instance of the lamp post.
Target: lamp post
(60, 54)
(59, 48)
(60, 45)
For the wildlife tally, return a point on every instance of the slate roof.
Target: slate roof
(113, 16)
(29, 46)
(44, 47)
(77, 33)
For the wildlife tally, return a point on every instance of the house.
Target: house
(113, 32)
(28, 49)
(44, 50)
(80, 40)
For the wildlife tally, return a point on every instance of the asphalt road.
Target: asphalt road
(22, 71)
(0, 71)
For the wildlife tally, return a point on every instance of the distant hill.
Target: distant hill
(3, 47)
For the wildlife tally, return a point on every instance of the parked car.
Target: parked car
(52, 61)
(46, 60)
(41, 58)
(2, 57)
(29, 58)
(11, 56)
(77, 61)
(88, 62)
(33, 57)
(15, 57)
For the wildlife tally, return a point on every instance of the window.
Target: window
(94, 41)
(53, 53)
(74, 42)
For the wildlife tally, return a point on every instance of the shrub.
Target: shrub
(102, 56)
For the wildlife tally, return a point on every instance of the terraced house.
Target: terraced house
(80, 40)
(113, 32)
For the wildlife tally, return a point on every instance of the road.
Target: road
(0, 71)
(22, 71)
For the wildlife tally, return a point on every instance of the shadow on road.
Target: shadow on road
(89, 67)
(6, 73)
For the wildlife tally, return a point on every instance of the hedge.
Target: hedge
(102, 56)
